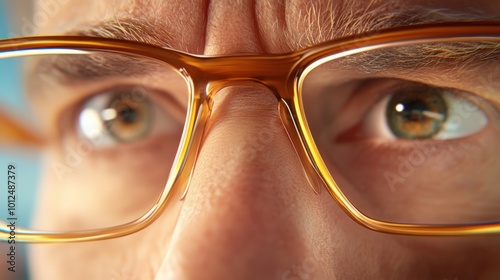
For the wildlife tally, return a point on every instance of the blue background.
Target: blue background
(12, 101)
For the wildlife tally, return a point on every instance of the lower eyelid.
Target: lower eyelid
(149, 148)
(447, 155)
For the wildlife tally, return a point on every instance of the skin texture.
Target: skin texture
(245, 217)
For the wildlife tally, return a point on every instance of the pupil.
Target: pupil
(128, 115)
(413, 111)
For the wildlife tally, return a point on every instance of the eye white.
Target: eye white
(464, 118)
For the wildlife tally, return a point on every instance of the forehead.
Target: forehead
(282, 25)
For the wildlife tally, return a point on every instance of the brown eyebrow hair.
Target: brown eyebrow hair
(70, 68)
(322, 21)
(130, 29)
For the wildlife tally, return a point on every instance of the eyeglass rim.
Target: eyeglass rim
(290, 100)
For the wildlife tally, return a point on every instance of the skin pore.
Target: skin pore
(245, 216)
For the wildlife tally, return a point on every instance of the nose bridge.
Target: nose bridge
(247, 107)
(246, 176)
(283, 120)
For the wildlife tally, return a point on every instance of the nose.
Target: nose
(248, 209)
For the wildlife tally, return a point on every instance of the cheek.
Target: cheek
(136, 256)
(102, 188)
(346, 250)
(430, 182)
(105, 188)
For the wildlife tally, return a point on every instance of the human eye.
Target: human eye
(127, 114)
(408, 110)
(408, 137)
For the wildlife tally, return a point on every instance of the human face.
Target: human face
(247, 217)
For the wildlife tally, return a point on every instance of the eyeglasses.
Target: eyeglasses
(400, 126)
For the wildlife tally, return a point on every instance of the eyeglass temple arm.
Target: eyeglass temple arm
(12, 132)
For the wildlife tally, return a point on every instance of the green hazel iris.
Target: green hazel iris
(131, 116)
(416, 113)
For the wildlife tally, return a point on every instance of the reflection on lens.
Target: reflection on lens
(112, 128)
(410, 135)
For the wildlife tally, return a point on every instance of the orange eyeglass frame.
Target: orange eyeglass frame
(206, 75)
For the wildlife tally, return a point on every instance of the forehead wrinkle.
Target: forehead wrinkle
(306, 23)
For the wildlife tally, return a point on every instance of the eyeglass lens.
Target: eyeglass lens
(100, 114)
(410, 133)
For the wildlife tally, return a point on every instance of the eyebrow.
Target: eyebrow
(97, 65)
(354, 18)
(127, 28)
(455, 56)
